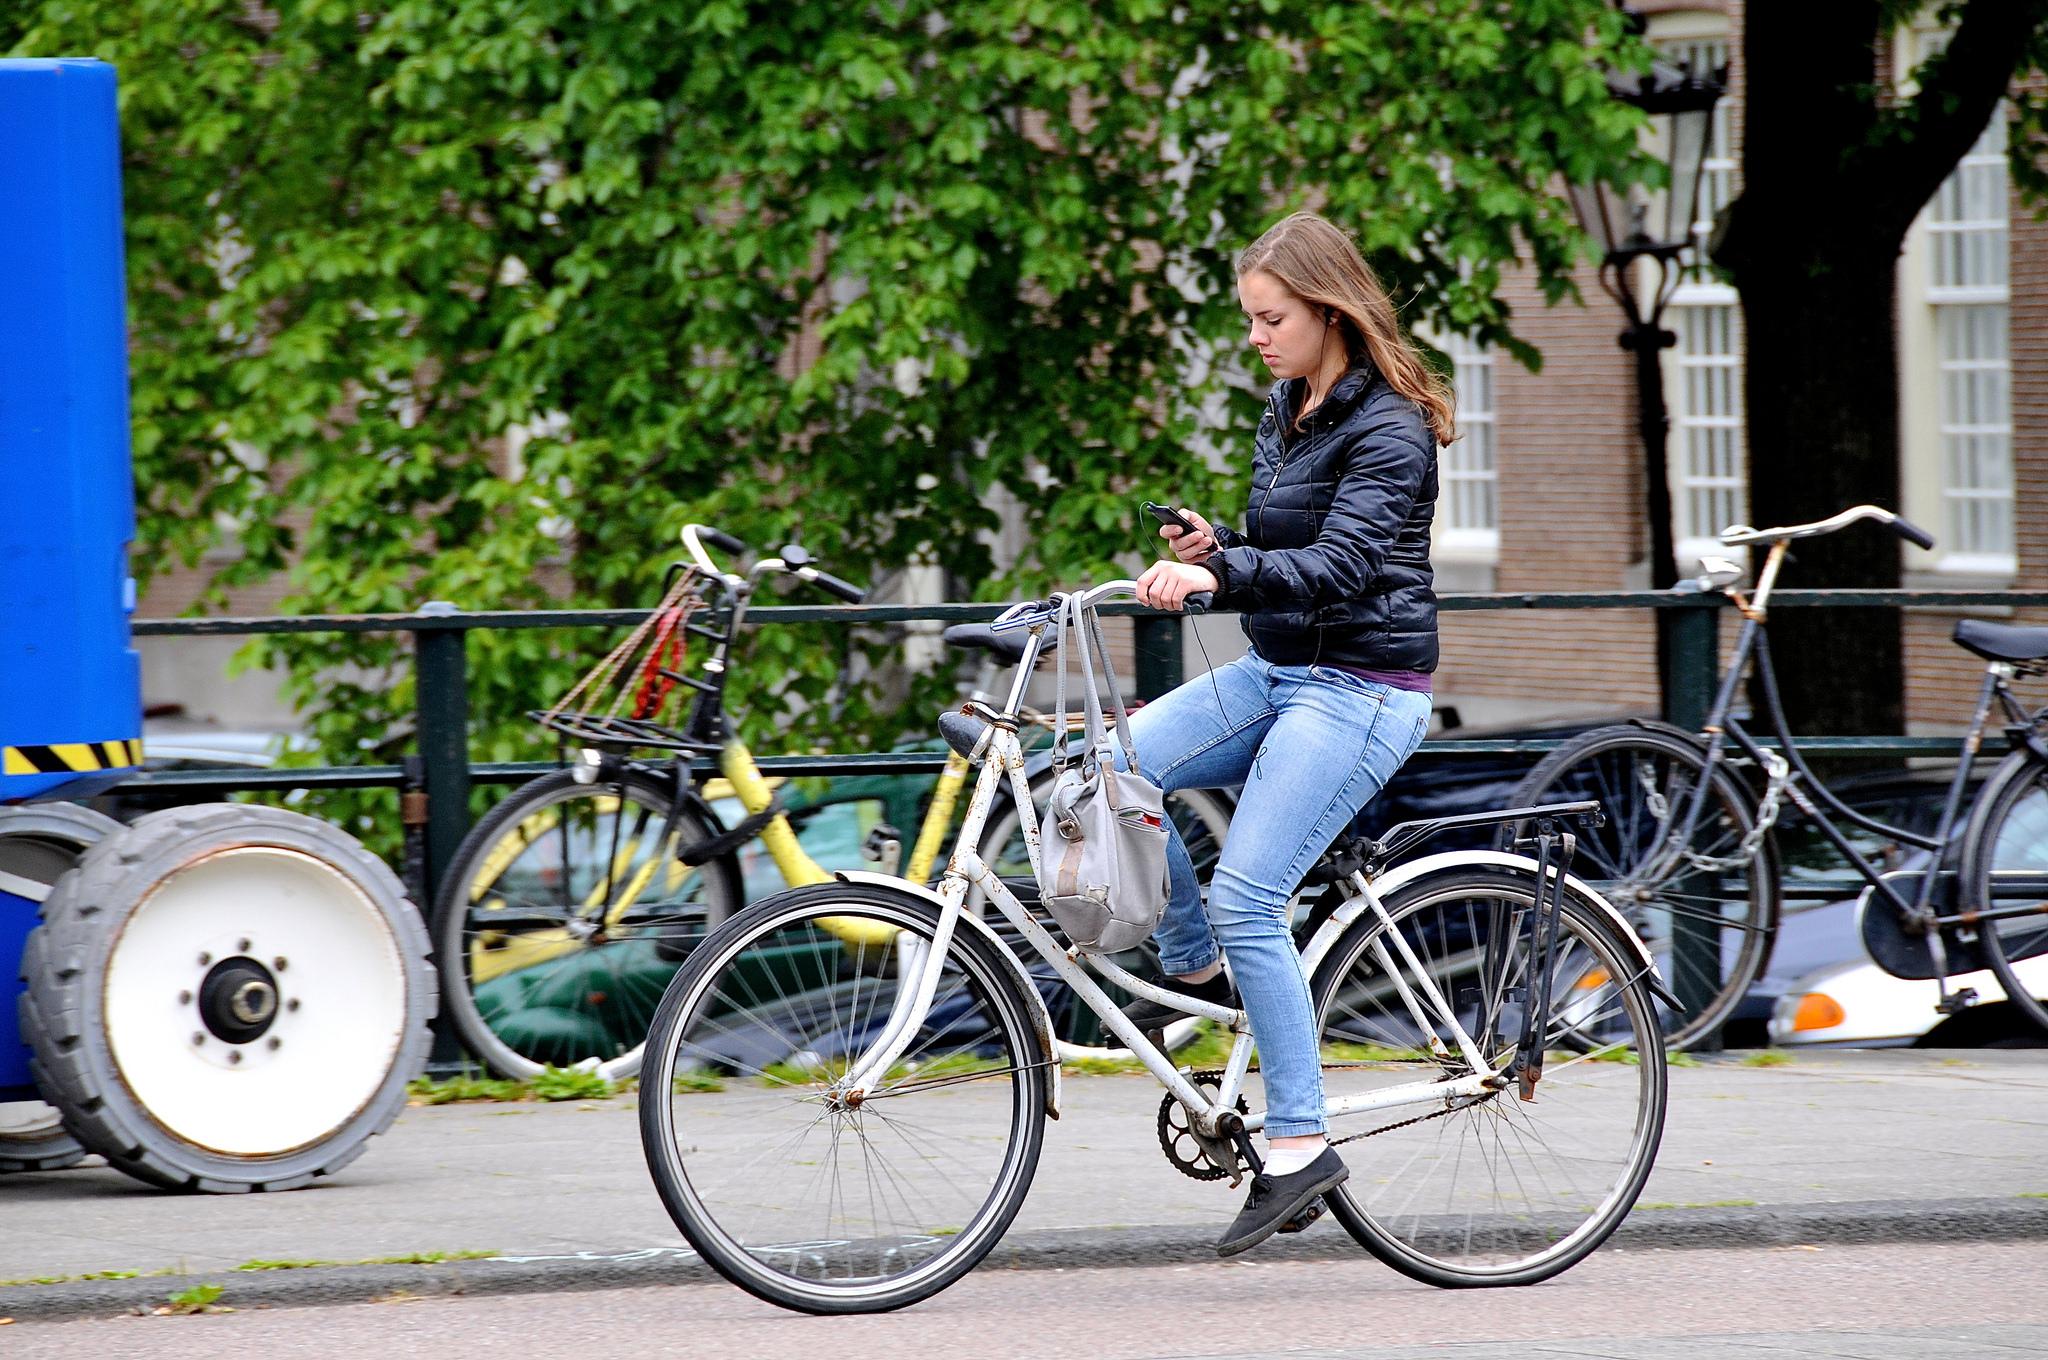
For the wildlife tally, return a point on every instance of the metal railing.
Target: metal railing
(445, 774)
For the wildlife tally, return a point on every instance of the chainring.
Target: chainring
(1192, 1154)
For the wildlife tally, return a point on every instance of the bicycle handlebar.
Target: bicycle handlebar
(1737, 535)
(695, 536)
(832, 585)
(1912, 533)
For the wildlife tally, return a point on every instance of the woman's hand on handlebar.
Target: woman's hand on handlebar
(1194, 547)
(1167, 585)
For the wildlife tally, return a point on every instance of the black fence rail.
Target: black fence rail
(438, 781)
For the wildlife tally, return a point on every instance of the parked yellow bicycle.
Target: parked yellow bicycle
(570, 905)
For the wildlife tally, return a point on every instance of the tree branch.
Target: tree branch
(1918, 144)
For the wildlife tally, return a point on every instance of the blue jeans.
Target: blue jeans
(1311, 745)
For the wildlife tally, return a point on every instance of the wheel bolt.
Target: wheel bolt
(184, 998)
(234, 1055)
(198, 1038)
(275, 1043)
(279, 963)
(205, 960)
(241, 946)
(292, 1004)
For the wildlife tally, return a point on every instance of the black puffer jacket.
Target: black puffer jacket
(1333, 562)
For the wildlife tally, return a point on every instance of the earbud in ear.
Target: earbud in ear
(1329, 318)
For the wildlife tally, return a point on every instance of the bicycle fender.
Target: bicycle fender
(1041, 1018)
(1401, 875)
(1670, 730)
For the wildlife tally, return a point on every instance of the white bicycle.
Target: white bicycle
(845, 1087)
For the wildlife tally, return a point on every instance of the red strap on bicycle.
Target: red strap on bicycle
(666, 651)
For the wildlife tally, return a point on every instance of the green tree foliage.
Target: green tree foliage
(805, 268)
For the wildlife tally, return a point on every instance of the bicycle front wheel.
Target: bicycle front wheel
(1488, 1189)
(792, 1194)
(2006, 867)
(1705, 900)
(565, 914)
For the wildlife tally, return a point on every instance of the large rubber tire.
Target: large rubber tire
(170, 932)
(1655, 890)
(2008, 832)
(557, 1023)
(41, 842)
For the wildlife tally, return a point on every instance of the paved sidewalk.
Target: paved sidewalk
(1848, 1146)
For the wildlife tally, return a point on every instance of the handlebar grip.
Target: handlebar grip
(1912, 532)
(720, 539)
(1200, 602)
(832, 585)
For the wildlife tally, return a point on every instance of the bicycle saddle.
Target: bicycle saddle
(1006, 646)
(2002, 641)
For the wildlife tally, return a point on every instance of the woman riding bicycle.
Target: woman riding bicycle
(1331, 572)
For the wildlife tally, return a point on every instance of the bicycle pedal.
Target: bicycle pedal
(1962, 998)
(1303, 1219)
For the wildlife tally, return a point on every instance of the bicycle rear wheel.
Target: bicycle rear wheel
(794, 1196)
(2006, 866)
(565, 914)
(1489, 1190)
(1708, 912)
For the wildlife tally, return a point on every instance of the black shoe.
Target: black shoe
(1150, 1015)
(1276, 1201)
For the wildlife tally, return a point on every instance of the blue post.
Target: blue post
(70, 683)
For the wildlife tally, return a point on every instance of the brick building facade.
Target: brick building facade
(1566, 461)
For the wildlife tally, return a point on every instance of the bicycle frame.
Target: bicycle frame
(1004, 759)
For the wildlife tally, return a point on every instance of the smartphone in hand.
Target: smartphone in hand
(1166, 514)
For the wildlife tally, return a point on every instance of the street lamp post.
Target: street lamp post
(1681, 102)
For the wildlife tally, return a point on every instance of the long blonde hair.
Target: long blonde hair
(1318, 263)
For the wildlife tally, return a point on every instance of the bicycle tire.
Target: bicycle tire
(733, 1062)
(1076, 1027)
(1617, 860)
(1607, 1116)
(2008, 831)
(522, 1000)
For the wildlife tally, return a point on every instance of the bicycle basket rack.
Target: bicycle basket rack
(632, 699)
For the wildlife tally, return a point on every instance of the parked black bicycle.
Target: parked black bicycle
(1688, 852)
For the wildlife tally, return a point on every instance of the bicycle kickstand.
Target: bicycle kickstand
(1544, 927)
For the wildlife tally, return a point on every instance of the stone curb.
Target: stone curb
(1855, 1223)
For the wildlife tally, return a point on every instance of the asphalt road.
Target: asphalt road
(1886, 1302)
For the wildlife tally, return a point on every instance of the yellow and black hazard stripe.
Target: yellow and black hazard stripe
(71, 757)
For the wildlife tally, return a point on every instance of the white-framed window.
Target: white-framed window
(1955, 367)
(1707, 458)
(1468, 514)
(1967, 288)
(1705, 57)
(1706, 454)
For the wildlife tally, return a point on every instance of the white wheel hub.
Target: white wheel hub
(254, 1001)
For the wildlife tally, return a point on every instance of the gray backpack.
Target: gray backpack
(1102, 866)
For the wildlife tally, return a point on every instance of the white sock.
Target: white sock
(1288, 1160)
